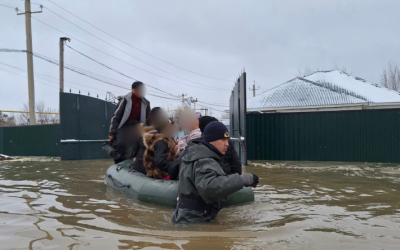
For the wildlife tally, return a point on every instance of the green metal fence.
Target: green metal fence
(86, 120)
(352, 136)
(38, 140)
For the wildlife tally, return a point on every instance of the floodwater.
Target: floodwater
(66, 205)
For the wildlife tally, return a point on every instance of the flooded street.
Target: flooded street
(66, 205)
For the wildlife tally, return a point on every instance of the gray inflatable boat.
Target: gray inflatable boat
(160, 192)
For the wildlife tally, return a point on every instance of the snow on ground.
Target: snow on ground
(370, 91)
(29, 158)
(5, 157)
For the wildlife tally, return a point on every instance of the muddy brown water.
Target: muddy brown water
(66, 205)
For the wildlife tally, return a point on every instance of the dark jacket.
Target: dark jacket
(137, 165)
(123, 111)
(203, 186)
(139, 150)
(114, 150)
(159, 157)
(230, 161)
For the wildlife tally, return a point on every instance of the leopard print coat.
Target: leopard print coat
(149, 140)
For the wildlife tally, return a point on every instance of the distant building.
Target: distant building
(226, 123)
(324, 91)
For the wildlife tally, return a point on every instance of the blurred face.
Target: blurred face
(169, 130)
(188, 121)
(139, 91)
(221, 145)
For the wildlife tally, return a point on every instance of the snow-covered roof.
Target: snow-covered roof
(324, 88)
(359, 87)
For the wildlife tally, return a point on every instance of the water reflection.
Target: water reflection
(66, 205)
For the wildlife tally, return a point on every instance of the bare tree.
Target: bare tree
(43, 117)
(6, 120)
(310, 70)
(23, 118)
(306, 71)
(390, 77)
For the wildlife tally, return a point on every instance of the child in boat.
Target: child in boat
(189, 122)
(203, 185)
(140, 148)
(159, 157)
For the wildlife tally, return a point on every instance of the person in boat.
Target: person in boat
(132, 110)
(159, 157)
(203, 185)
(140, 148)
(230, 160)
(189, 122)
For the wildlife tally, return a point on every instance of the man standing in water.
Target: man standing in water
(131, 110)
(203, 185)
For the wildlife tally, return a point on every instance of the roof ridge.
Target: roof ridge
(337, 89)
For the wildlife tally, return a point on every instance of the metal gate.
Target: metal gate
(85, 123)
(237, 114)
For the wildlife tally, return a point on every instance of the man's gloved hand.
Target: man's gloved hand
(249, 180)
(118, 157)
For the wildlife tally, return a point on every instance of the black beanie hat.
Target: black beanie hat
(137, 85)
(215, 131)
(204, 121)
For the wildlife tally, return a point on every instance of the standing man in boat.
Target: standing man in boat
(132, 110)
(203, 185)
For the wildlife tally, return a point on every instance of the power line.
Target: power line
(107, 54)
(27, 77)
(212, 108)
(213, 104)
(20, 69)
(7, 50)
(43, 75)
(85, 72)
(136, 47)
(102, 64)
(82, 71)
(127, 52)
(7, 6)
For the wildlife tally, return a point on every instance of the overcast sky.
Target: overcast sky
(271, 39)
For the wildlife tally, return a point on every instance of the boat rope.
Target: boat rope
(115, 184)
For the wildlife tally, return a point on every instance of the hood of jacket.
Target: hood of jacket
(197, 140)
(150, 138)
(149, 130)
(199, 151)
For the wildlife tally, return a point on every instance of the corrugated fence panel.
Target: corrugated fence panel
(84, 118)
(37, 140)
(353, 136)
(1, 140)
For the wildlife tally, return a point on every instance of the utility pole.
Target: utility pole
(194, 103)
(183, 101)
(254, 88)
(62, 41)
(29, 51)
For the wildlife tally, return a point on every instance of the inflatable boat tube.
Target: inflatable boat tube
(160, 192)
